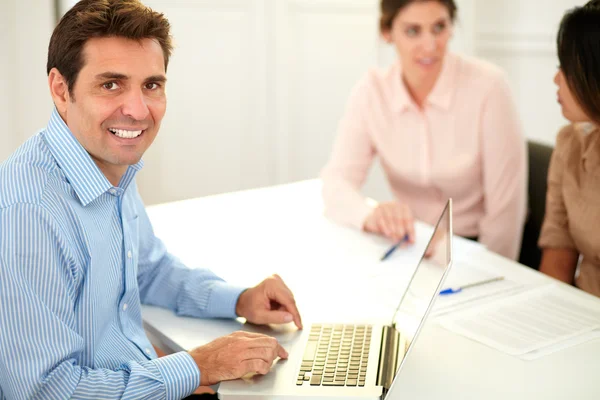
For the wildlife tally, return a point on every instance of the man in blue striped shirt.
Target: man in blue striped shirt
(77, 252)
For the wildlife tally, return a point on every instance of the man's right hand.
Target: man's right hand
(393, 220)
(236, 355)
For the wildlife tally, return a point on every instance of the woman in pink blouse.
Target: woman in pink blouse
(442, 125)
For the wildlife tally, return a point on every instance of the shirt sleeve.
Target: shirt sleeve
(42, 353)
(349, 164)
(165, 281)
(555, 229)
(504, 160)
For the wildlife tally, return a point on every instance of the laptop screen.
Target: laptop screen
(426, 281)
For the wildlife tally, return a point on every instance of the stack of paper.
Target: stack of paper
(530, 324)
(465, 273)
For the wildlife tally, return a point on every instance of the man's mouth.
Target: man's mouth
(125, 134)
(426, 61)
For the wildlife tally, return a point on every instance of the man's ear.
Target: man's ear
(59, 90)
(386, 35)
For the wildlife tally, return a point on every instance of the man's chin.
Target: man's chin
(127, 161)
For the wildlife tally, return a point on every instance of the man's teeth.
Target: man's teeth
(126, 134)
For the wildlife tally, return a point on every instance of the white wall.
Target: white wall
(25, 105)
(7, 81)
(310, 96)
(213, 138)
(33, 105)
(520, 36)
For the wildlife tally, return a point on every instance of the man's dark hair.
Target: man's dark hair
(89, 19)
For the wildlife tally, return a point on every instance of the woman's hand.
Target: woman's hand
(393, 220)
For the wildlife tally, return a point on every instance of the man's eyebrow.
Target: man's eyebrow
(156, 78)
(111, 75)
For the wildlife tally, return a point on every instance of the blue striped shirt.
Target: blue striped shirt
(77, 258)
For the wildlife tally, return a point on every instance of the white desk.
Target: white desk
(246, 236)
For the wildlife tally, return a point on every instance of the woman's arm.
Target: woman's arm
(560, 255)
(350, 161)
(560, 264)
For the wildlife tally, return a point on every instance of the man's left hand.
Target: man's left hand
(269, 302)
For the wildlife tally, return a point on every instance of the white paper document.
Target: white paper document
(530, 324)
(466, 273)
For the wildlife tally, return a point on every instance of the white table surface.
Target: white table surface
(246, 236)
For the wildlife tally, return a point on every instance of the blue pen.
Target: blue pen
(460, 289)
(394, 247)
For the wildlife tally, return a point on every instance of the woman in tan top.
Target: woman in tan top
(572, 223)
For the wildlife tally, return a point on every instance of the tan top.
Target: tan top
(573, 201)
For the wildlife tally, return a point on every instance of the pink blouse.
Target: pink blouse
(466, 143)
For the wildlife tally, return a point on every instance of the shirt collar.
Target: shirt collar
(401, 97)
(81, 171)
(586, 127)
(442, 93)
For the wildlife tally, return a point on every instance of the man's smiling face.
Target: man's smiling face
(118, 101)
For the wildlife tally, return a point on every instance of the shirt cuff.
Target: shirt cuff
(223, 300)
(180, 374)
(361, 213)
(555, 238)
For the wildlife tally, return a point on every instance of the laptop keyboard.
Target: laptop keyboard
(335, 355)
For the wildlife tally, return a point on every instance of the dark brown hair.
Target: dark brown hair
(88, 19)
(391, 8)
(578, 43)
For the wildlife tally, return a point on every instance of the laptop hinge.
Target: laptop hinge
(388, 361)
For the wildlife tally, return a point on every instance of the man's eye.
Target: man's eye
(412, 32)
(152, 86)
(110, 86)
(439, 28)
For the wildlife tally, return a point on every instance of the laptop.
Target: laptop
(358, 361)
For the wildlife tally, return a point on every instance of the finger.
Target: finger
(261, 342)
(391, 221)
(274, 317)
(406, 220)
(410, 229)
(254, 366)
(283, 295)
(382, 225)
(267, 354)
(401, 231)
(395, 221)
(409, 224)
(283, 314)
(265, 350)
(250, 335)
(281, 352)
(402, 227)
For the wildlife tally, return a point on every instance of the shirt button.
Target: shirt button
(147, 351)
(125, 307)
(129, 254)
(113, 191)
